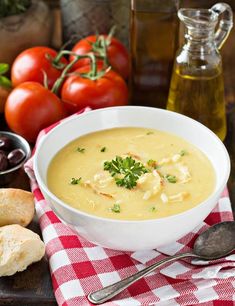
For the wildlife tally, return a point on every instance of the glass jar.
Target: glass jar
(197, 86)
(153, 42)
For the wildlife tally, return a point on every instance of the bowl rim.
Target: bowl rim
(27, 151)
(215, 193)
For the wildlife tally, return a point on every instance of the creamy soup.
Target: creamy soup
(131, 174)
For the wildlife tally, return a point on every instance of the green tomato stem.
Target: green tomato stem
(56, 60)
(110, 35)
(92, 74)
(104, 43)
(59, 81)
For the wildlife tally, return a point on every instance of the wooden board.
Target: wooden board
(30, 286)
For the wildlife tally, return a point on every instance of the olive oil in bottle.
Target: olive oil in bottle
(153, 42)
(197, 86)
(201, 98)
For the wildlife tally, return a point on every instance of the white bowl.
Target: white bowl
(132, 235)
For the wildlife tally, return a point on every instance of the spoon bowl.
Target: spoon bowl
(216, 242)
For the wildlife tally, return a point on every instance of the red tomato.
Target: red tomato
(31, 107)
(116, 51)
(30, 64)
(109, 90)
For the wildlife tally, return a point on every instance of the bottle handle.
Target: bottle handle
(225, 24)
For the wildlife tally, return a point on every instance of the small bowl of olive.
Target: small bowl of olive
(14, 152)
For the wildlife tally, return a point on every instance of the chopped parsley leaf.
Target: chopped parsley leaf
(152, 163)
(126, 171)
(103, 149)
(171, 178)
(149, 133)
(183, 152)
(153, 209)
(116, 208)
(75, 181)
(81, 150)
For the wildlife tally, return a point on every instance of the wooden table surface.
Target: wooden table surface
(33, 286)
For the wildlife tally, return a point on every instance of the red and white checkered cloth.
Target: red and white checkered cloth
(79, 267)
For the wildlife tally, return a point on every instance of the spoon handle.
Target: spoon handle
(105, 294)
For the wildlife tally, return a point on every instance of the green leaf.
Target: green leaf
(152, 163)
(171, 178)
(126, 171)
(5, 82)
(183, 152)
(116, 208)
(75, 181)
(13, 7)
(3, 68)
(153, 209)
(81, 150)
(103, 149)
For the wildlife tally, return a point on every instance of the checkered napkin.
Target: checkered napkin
(79, 267)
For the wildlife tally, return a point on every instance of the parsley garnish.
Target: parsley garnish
(149, 133)
(75, 181)
(116, 208)
(183, 152)
(81, 150)
(103, 149)
(126, 171)
(171, 178)
(153, 209)
(152, 163)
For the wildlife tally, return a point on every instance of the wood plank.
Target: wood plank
(30, 286)
(33, 286)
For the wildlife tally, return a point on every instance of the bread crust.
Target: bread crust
(19, 247)
(16, 206)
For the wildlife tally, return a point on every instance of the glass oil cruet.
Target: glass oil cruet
(197, 87)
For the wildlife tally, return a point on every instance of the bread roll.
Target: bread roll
(19, 247)
(16, 206)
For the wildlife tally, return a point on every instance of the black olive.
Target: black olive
(5, 143)
(3, 161)
(15, 157)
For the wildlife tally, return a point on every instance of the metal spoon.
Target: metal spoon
(216, 242)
